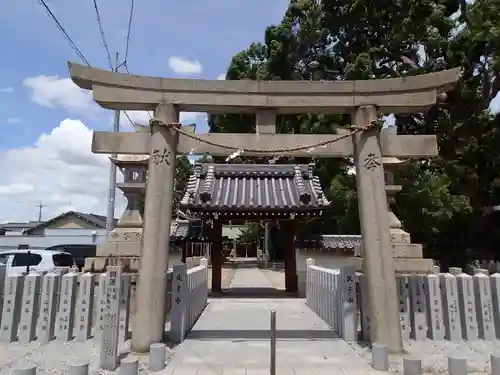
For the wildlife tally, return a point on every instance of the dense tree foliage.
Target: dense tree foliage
(444, 198)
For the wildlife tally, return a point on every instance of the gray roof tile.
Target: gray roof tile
(179, 229)
(340, 241)
(252, 187)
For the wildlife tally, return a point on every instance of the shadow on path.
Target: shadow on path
(252, 292)
(222, 334)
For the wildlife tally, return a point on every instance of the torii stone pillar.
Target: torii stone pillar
(374, 221)
(152, 284)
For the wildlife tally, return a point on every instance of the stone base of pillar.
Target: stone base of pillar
(399, 250)
(98, 264)
(121, 242)
(403, 265)
(408, 257)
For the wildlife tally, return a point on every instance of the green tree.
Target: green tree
(251, 234)
(339, 39)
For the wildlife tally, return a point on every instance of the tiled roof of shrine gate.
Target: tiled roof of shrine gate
(246, 189)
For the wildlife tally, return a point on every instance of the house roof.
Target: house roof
(254, 190)
(19, 226)
(97, 220)
(331, 242)
(340, 241)
(179, 229)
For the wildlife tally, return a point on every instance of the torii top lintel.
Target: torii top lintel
(132, 92)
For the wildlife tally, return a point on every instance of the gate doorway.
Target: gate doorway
(236, 194)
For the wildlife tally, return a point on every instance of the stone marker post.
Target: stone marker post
(48, 307)
(179, 303)
(109, 339)
(149, 318)
(66, 311)
(378, 261)
(13, 292)
(29, 307)
(85, 307)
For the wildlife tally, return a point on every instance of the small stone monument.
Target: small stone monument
(123, 244)
(408, 256)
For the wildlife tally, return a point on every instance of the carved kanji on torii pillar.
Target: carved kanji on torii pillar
(365, 101)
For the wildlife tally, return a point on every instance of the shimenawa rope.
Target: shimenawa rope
(356, 129)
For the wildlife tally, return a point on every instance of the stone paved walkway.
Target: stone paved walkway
(232, 337)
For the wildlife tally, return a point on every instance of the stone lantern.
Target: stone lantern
(123, 244)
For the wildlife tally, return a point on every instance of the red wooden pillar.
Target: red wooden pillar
(216, 255)
(288, 229)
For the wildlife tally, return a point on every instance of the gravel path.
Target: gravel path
(434, 355)
(51, 358)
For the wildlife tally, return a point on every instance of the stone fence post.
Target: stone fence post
(179, 303)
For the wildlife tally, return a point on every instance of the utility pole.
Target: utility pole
(110, 212)
(40, 209)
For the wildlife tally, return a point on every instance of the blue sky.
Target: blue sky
(46, 122)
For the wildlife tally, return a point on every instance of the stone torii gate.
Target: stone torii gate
(363, 100)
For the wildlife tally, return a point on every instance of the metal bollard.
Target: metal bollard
(78, 369)
(129, 366)
(157, 357)
(272, 368)
(380, 357)
(24, 370)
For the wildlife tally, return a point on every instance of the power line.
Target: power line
(129, 119)
(65, 34)
(103, 36)
(73, 45)
(129, 29)
(125, 65)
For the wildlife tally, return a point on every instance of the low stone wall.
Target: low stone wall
(189, 298)
(65, 305)
(332, 295)
(445, 306)
(193, 261)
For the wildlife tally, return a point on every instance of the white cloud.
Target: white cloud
(59, 170)
(13, 120)
(7, 89)
(183, 66)
(221, 77)
(17, 188)
(52, 91)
